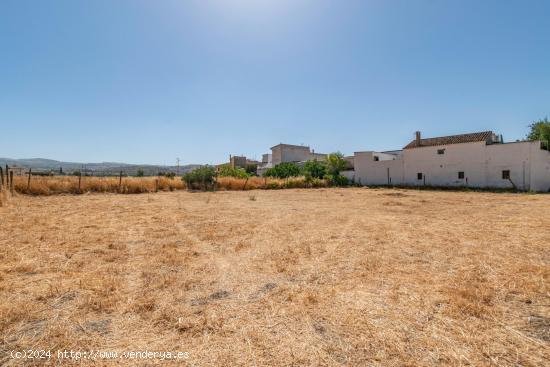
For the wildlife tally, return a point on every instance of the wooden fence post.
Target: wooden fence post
(7, 176)
(29, 180)
(1, 178)
(79, 181)
(120, 182)
(11, 182)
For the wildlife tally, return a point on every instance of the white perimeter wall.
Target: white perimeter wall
(482, 165)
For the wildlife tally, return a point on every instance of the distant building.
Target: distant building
(237, 161)
(288, 153)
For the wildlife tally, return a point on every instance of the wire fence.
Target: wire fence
(19, 178)
(107, 172)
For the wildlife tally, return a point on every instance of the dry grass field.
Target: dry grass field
(324, 277)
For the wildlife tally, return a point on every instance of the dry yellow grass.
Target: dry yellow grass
(253, 183)
(51, 185)
(69, 185)
(294, 277)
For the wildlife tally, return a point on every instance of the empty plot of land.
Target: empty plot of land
(292, 277)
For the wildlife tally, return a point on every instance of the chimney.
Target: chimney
(418, 138)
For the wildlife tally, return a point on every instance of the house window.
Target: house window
(441, 151)
(506, 174)
(376, 158)
(461, 175)
(419, 175)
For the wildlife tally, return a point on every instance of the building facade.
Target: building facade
(469, 160)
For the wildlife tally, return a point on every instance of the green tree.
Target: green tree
(200, 177)
(140, 173)
(335, 163)
(540, 130)
(227, 171)
(283, 170)
(314, 169)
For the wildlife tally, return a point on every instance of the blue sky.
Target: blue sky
(148, 81)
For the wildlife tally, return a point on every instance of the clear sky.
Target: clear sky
(148, 81)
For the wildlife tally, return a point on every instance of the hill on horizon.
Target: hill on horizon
(106, 168)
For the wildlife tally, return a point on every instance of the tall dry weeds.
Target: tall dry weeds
(70, 185)
(51, 185)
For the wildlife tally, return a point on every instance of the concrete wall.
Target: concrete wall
(266, 158)
(317, 156)
(350, 162)
(350, 175)
(237, 162)
(482, 165)
(442, 169)
(540, 169)
(388, 169)
(289, 153)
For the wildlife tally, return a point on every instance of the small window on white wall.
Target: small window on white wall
(506, 174)
(461, 175)
(441, 151)
(419, 176)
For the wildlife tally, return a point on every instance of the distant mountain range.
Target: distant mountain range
(103, 168)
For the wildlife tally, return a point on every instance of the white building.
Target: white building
(472, 160)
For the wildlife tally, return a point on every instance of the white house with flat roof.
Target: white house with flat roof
(480, 160)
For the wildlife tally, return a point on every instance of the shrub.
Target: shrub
(140, 173)
(201, 177)
(228, 171)
(283, 170)
(337, 180)
(314, 169)
(335, 163)
(252, 169)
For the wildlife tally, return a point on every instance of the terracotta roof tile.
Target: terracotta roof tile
(453, 139)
